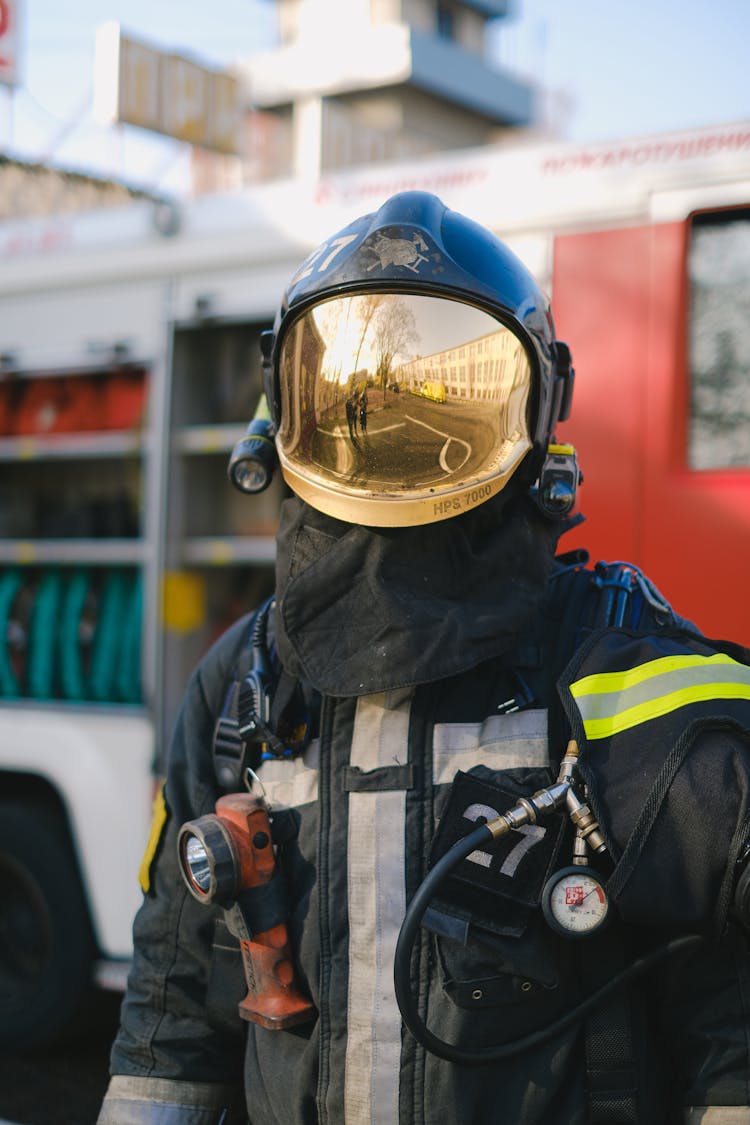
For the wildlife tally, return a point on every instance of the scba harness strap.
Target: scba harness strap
(662, 722)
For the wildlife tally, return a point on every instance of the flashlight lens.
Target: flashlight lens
(207, 860)
(196, 861)
(250, 476)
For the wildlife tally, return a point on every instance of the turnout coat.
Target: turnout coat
(380, 790)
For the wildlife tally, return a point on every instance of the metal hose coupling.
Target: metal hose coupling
(529, 809)
(547, 800)
(586, 824)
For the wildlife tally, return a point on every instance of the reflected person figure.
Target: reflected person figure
(351, 417)
(435, 672)
(363, 412)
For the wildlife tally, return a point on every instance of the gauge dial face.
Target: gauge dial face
(575, 902)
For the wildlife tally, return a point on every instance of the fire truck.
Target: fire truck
(129, 367)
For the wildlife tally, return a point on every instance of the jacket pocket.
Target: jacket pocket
(493, 988)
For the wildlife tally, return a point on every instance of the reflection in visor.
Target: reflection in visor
(401, 396)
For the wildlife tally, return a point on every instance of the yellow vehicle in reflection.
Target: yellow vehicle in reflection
(434, 391)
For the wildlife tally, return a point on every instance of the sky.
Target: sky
(611, 69)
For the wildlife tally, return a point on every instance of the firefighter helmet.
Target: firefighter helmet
(415, 370)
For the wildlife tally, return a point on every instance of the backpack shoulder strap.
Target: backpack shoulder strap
(627, 598)
(610, 596)
(581, 600)
(584, 601)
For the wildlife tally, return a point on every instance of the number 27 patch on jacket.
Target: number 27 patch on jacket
(516, 865)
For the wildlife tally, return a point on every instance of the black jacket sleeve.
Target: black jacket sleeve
(166, 1030)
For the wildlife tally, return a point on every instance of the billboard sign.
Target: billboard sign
(137, 84)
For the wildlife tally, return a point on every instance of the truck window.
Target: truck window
(718, 346)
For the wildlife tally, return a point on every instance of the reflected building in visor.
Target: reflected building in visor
(484, 369)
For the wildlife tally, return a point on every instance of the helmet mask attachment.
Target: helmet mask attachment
(414, 370)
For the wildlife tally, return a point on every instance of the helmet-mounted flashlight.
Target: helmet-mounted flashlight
(253, 459)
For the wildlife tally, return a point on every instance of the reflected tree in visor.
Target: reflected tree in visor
(401, 409)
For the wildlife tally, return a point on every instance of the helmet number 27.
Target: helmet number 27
(330, 250)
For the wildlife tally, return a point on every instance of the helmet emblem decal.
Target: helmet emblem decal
(410, 253)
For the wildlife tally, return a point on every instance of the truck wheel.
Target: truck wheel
(46, 943)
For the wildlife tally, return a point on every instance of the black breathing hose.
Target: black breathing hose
(402, 970)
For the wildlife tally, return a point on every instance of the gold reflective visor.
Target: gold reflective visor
(400, 410)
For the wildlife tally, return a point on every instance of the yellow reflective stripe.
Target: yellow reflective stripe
(601, 682)
(606, 726)
(157, 825)
(611, 702)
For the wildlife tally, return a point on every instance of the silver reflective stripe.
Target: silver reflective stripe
(163, 1101)
(291, 783)
(377, 902)
(501, 742)
(717, 1115)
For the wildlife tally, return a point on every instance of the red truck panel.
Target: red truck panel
(620, 300)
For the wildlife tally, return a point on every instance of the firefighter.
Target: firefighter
(507, 793)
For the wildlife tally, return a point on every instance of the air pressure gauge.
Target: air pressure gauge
(574, 902)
